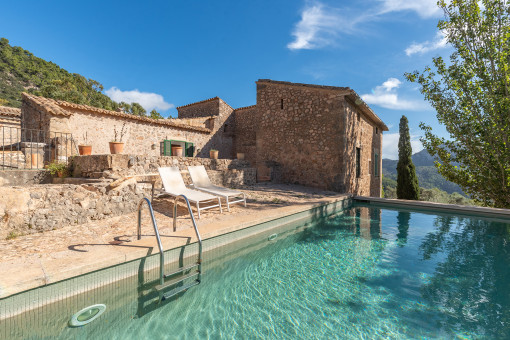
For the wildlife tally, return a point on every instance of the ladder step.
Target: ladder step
(180, 270)
(177, 290)
(175, 281)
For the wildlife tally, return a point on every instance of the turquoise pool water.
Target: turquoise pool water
(368, 273)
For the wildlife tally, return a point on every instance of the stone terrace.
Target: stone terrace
(38, 259)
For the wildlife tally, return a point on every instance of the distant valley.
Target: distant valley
(428, 176)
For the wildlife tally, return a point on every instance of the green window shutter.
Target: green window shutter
(190, 149)
(167, 148)
(376, 164)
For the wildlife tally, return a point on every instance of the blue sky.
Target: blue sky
(170, 53)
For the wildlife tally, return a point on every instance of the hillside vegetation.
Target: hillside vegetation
(428, 176)
(21, 71)
(433, 186)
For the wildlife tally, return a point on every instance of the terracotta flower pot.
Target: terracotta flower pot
(85, 150)
(177, 150)
(213, 154)
(116, 147)
(240, 156)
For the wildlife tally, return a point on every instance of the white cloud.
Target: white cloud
(439, 42)
(321, 25)
(148, 100)
(317, 28)
(390, 145)
(424, 8)
(386, 96)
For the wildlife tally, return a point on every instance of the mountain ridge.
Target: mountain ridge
(428, 177)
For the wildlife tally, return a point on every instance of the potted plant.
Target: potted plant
(117, 146)
(85, 149)
(58, 168)
(213, 154)
(177, 150)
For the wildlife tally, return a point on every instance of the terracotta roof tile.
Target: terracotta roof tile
(200, 102)
(245, 107)
(58, 107)
(6, 111)
(325, 87)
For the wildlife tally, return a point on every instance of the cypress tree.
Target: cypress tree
(407, 181)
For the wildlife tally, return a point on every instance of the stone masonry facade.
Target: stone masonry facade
(246, 123)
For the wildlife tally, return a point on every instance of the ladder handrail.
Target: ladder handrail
(199, 238)
(158, 237)
(155, 225)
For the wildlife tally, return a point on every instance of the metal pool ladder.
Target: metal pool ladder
(176, 284)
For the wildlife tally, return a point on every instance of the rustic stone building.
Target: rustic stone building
(220, 120)
(319, 136)
(94, 126)
(10, 121)
(10, 116)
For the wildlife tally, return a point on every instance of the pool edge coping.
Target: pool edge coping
(485, 211)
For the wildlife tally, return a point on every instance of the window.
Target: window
(376, 163)
(358, 162)
(376, 130)
(165, 147)
(281, 104)
(359, 116)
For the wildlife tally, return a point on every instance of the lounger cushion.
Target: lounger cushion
(202, 182)
(174, 185)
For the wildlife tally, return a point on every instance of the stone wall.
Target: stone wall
(141, 137)
(221, 124)
(246, 122)
(204, 108)
(26, 210)
(225, 172)
(24, 177)
(362, 134)
(299, 131)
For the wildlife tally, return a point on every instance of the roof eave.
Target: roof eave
(367, 110)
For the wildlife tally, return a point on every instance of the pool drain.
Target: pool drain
(87, 315)
(272, 237)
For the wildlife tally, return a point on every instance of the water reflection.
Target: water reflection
(367, 222)
(403, 219)
(471, 281)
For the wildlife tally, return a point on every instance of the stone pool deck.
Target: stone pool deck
(39, 259)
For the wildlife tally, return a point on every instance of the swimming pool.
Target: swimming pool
(368, 271)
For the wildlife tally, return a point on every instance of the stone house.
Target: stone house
(10, 120)
(319, 136)
(10, 116)
(143, 136)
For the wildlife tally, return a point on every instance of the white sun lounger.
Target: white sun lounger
(202, 182)
(173, 185)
